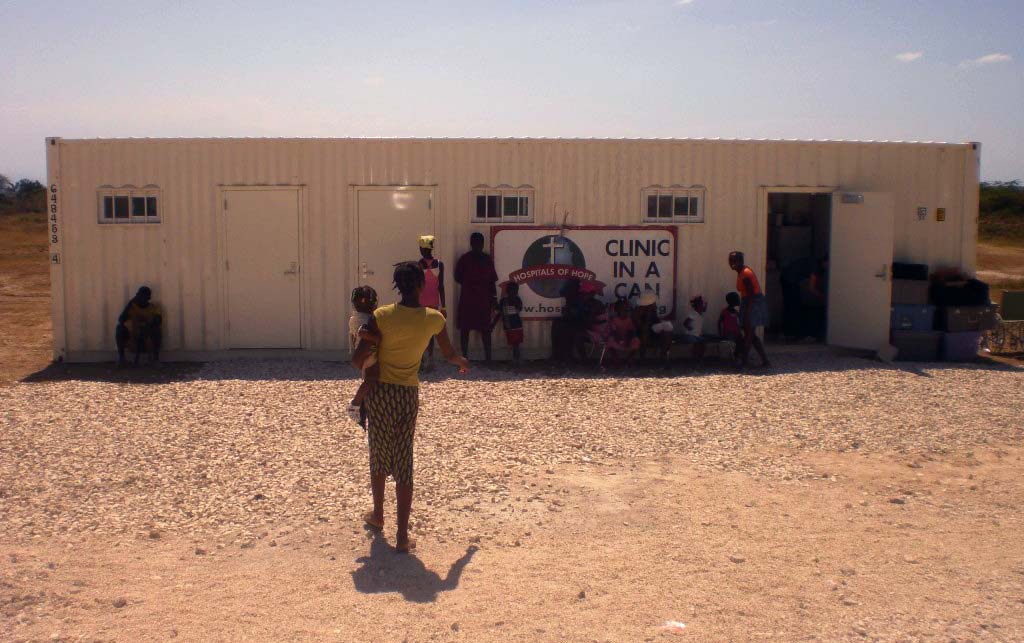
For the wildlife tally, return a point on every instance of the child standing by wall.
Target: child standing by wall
(364, 301)
(509, 311)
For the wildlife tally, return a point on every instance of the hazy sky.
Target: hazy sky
(897, 70)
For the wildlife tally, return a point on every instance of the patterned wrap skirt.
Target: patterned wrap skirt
(391, 414)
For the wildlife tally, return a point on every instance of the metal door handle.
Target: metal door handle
(293, 269)
(884, 273)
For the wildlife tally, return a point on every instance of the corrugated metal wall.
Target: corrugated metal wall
(597, 181)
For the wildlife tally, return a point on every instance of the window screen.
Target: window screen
(128, 205)
(673, 205)
(501, 205)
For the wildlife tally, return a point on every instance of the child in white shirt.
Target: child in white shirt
(693, 326)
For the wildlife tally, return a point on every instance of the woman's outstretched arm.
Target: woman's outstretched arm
(449, 351)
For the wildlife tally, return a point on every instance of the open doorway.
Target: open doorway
(799, 233)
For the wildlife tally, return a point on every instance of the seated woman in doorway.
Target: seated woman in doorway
(139, 327)
(753, 309)
(392, 406)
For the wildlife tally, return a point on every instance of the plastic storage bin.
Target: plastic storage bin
(916, 271)
(910, 291)
(961, 347)
(960, 293)
(961, 319)
(917, 346)
(911, 317)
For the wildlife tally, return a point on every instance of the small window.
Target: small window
(493, 211)
(120, 207)
(128, 205)
(503, 204)
(673, 205)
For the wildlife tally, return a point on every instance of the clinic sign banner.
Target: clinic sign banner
(628, 260)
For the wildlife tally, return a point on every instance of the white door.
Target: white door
(390, 224)
(262, 243)
(859, 285)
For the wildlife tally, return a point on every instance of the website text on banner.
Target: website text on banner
(627, 260)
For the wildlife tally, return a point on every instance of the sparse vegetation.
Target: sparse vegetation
(1001, 212)
(26, 195)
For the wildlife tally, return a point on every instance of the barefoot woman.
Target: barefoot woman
(753, 309)
(404, 329)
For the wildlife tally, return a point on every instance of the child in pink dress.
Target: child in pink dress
(623, 341)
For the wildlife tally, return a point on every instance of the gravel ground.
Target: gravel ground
(238, 446)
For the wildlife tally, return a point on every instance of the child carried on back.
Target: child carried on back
(364, 301)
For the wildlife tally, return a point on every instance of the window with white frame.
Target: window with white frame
(128, 205)
(673, 204)
(502, 204)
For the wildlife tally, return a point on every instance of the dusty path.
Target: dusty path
(223, 505)
(832, 558)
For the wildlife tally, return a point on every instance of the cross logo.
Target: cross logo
(553, 245)
(552, 250)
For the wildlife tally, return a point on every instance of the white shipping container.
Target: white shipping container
(257, 243)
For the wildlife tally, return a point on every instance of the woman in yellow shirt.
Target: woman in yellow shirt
(404, 330)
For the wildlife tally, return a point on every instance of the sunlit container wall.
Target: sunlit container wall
(598, 182)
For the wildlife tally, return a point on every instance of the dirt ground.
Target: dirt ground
(25, 328)
(1001, 265)
(802, 520)
(630, 547)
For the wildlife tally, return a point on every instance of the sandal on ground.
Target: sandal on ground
(406, 547)
(372, 522)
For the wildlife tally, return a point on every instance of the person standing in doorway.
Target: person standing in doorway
(475, 273)
(432, 295)
(818, 289)
(753, 308)
(392, 406)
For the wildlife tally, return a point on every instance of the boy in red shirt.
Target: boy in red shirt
(729, 318)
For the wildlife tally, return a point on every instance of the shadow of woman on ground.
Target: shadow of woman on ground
(384, 570)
